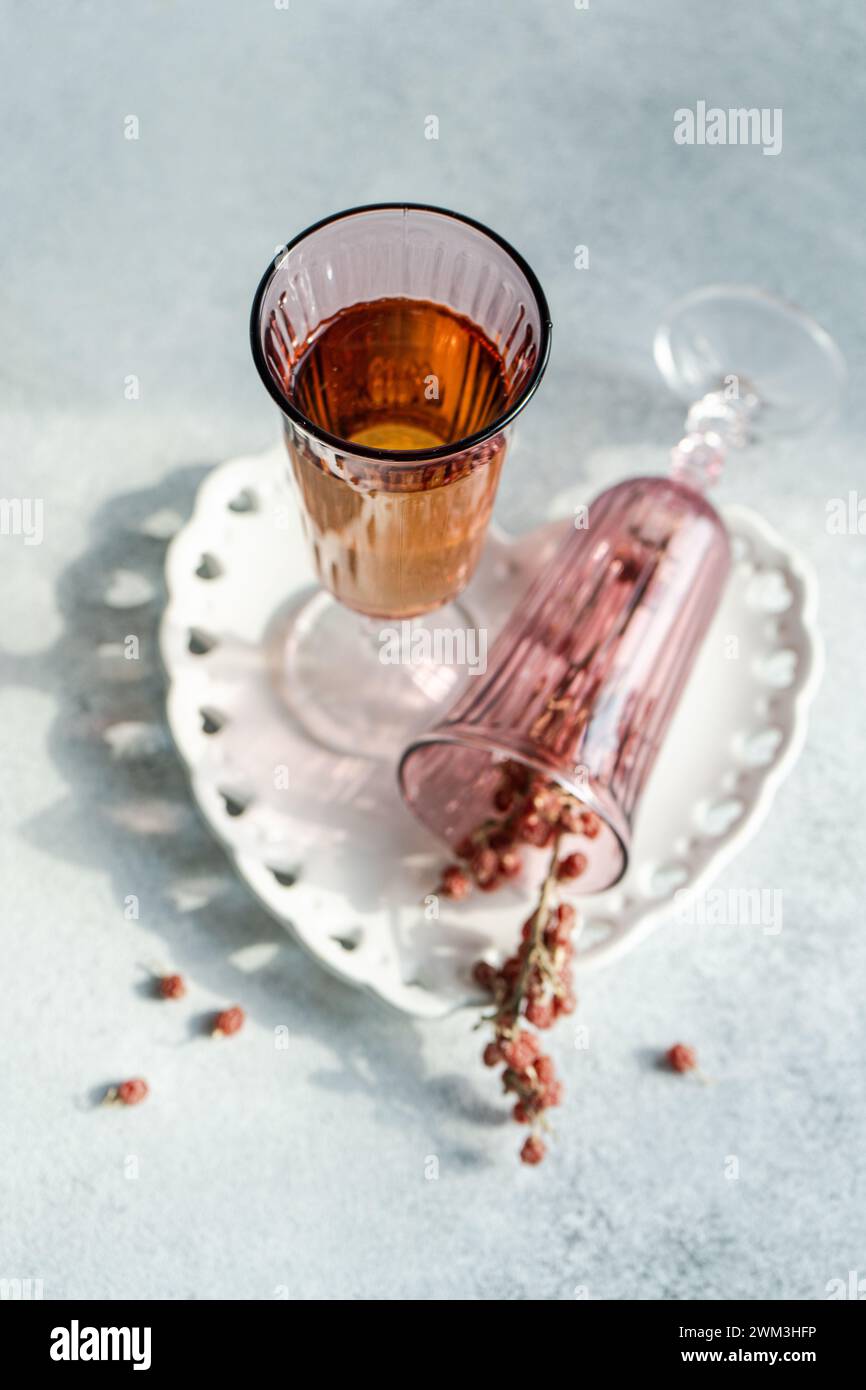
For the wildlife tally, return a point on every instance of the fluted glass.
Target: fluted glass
(584, 678)
(397, 532)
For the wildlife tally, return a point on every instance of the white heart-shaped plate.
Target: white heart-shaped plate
(325, 842)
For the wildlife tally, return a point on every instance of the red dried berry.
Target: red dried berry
(492, 1054)
(504, 799)
(515, 773)
(552, 1093)
(131, 1092)
(533, 1150)
(532, 830)
(539, 1013)
(565, 1003)
(510, 863)
(491, 885)
(557, 933)
(456, 883)
(547, 801)
(485, 866)
(570, 818)
(572, 866)
(591, 826)
(172, 987)
(511, 969)
(522, 1113)
(228, 1022)
(681, 1057)
(544, 1069)
(521, 1051)
(484, 974)
(527, 826)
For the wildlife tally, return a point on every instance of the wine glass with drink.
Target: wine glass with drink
(400, 342)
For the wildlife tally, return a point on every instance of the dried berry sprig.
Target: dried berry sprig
(532, 811)
(535, 985)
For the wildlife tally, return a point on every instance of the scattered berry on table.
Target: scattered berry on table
(130, 1092)
(681, 1057)
(172, 986)
(228, 1022)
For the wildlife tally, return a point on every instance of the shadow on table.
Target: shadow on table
(130, 813)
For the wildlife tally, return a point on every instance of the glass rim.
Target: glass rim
(404, 457)
(596, 798)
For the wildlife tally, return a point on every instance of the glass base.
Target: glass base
(366, 686)
(739, 340)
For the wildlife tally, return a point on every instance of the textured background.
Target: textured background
(304, 1170)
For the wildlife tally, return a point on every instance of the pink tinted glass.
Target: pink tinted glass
(399, 533)
(584, 678)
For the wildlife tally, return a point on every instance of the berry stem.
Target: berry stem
(535, 950)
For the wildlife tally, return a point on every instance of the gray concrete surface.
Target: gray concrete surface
(264, 1172)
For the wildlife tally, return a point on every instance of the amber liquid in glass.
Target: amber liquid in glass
(402, 538)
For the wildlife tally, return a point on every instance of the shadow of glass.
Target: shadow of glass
(129, 813)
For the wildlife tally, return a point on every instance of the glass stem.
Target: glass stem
(719, 421)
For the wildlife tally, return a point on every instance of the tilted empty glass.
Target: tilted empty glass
(584, 678)
(583, 681)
